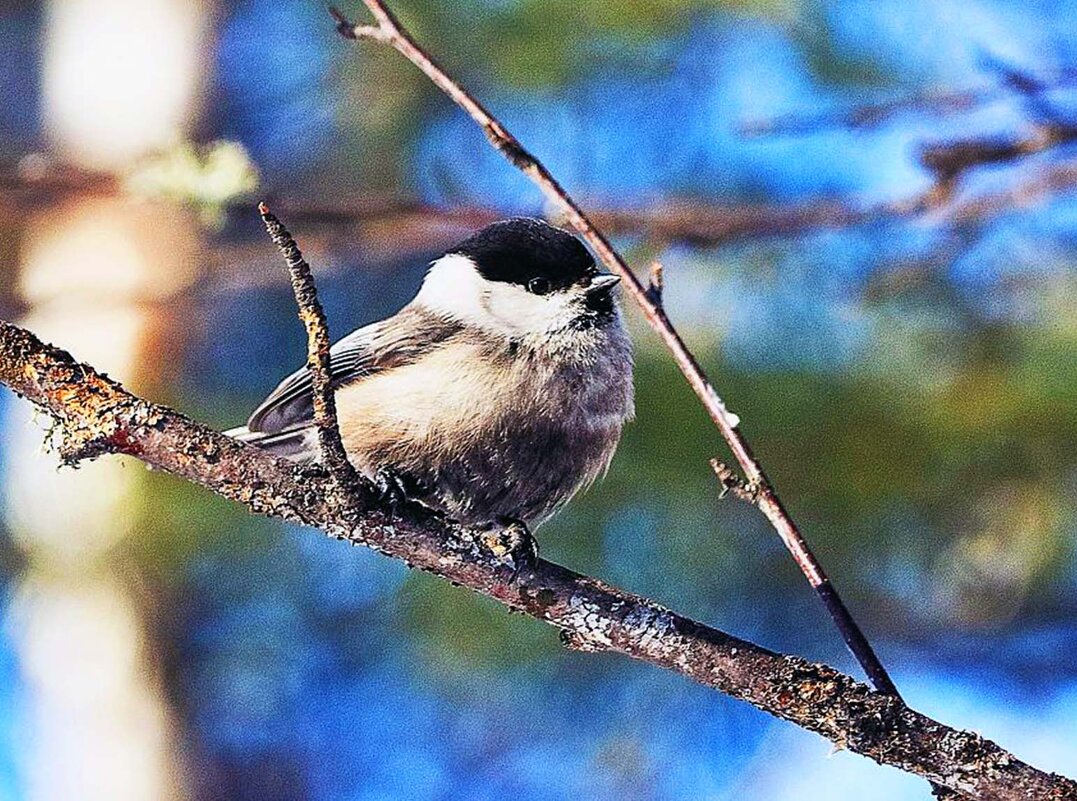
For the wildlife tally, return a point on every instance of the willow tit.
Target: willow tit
(493, 397)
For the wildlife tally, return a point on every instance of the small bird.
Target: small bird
(493, 397)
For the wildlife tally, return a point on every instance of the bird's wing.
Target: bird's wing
(380, 346)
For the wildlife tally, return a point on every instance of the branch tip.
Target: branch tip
(344, 26)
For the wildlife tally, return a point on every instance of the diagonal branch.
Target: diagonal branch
(388, 30)
(95, 416)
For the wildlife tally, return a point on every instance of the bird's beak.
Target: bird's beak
(602, 285)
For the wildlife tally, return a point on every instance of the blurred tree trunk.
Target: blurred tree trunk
(118, 82)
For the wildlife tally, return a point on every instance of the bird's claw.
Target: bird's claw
(513, 543)
(390, 489)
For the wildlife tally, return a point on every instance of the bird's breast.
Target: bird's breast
(508, 431)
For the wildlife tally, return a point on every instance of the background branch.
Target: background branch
(94, 415)
(693, 221)
(936, 102)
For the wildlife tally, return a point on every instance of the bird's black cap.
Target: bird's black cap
(522, 249)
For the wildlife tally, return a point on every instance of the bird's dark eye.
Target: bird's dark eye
(538, 286)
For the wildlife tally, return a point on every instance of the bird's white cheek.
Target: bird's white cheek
(520, 312)
(453, 287)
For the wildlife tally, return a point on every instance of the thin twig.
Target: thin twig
(97, 416)
(936, 102)
(1032, 88)
(334, 456)
(389, 31)
(872, 114)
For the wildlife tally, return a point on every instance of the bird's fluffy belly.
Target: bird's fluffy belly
(488, 437)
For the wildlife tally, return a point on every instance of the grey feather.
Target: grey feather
(291, 442)
(361, 353)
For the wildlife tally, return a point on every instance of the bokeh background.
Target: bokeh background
(866, 216)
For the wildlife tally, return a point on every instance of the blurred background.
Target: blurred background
(867, 219)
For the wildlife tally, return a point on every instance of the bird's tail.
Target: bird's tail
(298, 442)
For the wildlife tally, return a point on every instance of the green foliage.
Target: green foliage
(458, 632)
(176, 521)
(206, 178)
(539, 43)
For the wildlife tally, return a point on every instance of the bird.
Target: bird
(493, 397)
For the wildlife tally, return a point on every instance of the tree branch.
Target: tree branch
(388, 30)
(94, 415)
(933, 102)
(948, 161)
(866, 116)
(693, 221)
(334, 456)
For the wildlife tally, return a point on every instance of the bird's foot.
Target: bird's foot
(390, 489)
(513, 543)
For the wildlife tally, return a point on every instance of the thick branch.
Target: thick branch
(388, 30)
(95, 416)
